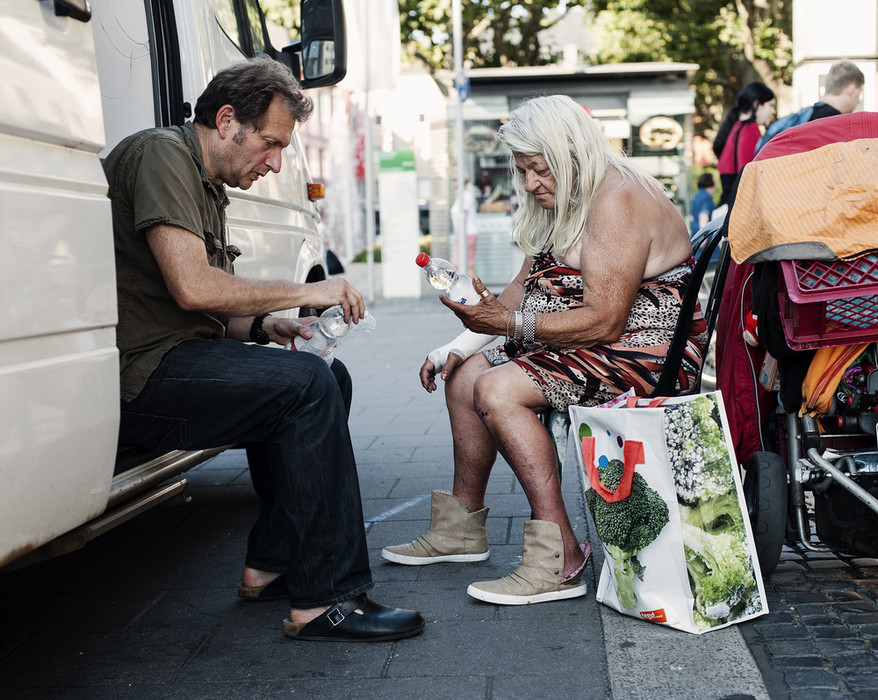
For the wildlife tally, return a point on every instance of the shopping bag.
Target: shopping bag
(665, 495)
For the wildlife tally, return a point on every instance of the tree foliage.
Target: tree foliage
(732, 41)
(496, 33)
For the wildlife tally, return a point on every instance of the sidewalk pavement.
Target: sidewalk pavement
(150, 611)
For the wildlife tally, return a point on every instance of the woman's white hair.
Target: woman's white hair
(578, 155)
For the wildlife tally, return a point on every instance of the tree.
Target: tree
(732, 41)
(496, 33)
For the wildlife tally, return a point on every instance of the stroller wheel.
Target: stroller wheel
(765, 490)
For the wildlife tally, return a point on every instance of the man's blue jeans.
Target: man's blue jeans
(290, 410)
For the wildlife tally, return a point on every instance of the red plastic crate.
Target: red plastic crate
(823, 304)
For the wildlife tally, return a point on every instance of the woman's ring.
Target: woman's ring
(484, 294)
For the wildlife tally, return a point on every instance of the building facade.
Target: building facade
(645, 110)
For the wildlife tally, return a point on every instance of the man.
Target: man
(841, 95)
(189, 382)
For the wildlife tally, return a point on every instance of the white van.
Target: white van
(77, 78)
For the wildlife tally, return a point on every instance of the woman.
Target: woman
(608, 258)
(736, 140)
(470, 226)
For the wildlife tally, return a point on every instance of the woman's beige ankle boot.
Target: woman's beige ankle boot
(540, 578)
(455, 535)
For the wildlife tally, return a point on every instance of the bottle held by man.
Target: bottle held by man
(329, 330)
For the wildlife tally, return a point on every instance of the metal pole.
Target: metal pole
(369, 171)
(462, 262)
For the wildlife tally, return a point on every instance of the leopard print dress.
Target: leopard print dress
(594, 375)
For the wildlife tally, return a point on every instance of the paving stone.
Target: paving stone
(863, 695)
(840, 646)
(824, 620)
(863, 680)
(787, 569)
(784, 663)
(854, 662)
(858, 618)
(811, 679)
(828, 564)
(783, 631)
(823, 632)
(567, 685)
(790, 577)
(821, 694)
(796, 598)
(787, 647)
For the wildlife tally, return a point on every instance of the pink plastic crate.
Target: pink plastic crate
(823, 304)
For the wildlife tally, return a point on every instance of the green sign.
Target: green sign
(397, 161)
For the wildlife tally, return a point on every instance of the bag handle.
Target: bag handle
(632, 401)
(633, 455)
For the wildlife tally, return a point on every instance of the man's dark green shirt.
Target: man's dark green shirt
(157, 176)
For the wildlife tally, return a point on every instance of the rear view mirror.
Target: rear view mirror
(320, 59)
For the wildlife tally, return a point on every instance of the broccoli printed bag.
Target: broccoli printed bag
(665, 496)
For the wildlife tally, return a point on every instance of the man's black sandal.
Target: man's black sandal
(359, 619)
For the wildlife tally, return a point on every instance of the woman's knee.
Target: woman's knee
(459, 386)
(490, 392)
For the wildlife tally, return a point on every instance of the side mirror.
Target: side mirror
(320, 59)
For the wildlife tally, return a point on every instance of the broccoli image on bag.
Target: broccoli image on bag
(714, 534)
(626, 526)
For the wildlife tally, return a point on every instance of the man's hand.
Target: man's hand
(283, 330)
(336, 291)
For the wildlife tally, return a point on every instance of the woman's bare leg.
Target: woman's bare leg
(506, 402)
(474, 448)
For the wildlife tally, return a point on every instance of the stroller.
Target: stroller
(804, 401)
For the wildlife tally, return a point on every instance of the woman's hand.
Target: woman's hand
(428, 370)
(488, 316)
(428, 376)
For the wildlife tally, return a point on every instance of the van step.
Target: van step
(78, 538)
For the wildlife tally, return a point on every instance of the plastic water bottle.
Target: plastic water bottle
(442, 275)
(329, 330)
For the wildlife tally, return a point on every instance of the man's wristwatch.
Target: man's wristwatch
(257, 333)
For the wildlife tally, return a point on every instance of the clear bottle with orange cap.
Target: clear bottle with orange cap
(442, 275)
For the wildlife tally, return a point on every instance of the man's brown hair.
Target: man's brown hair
(250, 87)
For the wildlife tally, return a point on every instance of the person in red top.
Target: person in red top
(736, 140)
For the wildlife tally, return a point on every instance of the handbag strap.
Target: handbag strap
(632, 454)
(737, 136)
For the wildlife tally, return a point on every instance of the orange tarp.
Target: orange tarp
(817, 205)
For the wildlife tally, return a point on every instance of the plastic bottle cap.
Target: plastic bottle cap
(422, 260)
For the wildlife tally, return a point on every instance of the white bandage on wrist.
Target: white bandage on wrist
(466, 345)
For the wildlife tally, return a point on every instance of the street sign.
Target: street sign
(461, 82)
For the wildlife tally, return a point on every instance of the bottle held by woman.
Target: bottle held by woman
(442, 275)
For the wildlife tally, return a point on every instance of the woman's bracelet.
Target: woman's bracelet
(530, 328)
(519, 325)
(508, 324)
